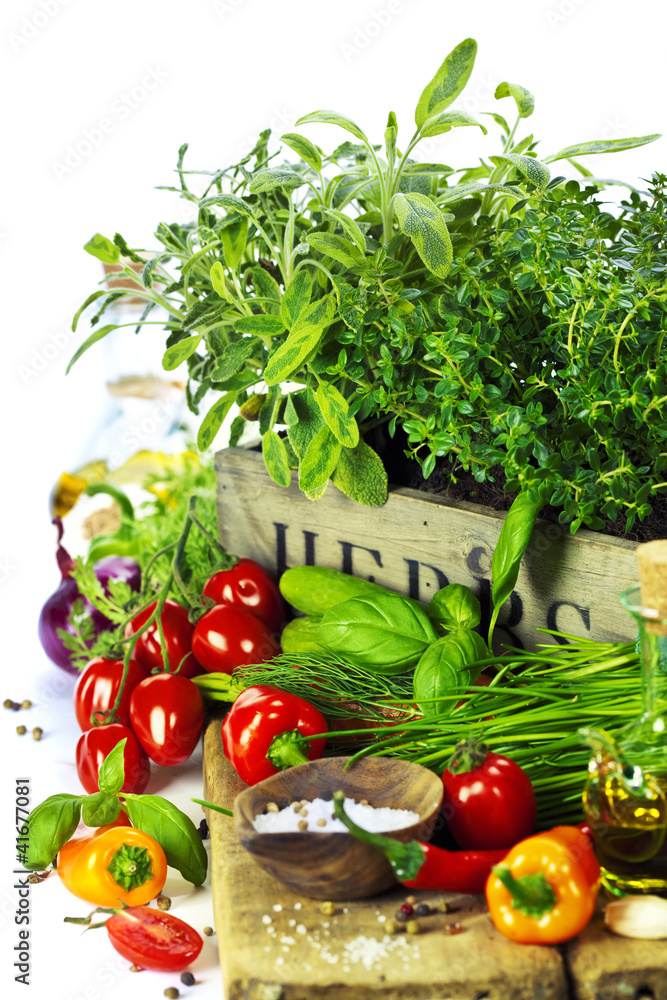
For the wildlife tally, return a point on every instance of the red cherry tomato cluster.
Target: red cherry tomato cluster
(161, 714)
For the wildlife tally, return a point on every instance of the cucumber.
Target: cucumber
(301, 636)
(315, 589)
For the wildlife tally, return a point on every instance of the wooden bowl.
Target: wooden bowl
(337, 865)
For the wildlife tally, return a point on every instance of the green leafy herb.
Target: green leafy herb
(174, 831)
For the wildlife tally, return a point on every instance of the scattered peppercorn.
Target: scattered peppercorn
(37, 733)
(411, 900)
(453, 928)
(303, 811)
(303, 825)
(423, 910)
(26, 703)
(408, 908)
(203, 830)
(207, 931)
(172, 993)
(21, 730)
(272, 807)
(412, 927)
(163, 902)
(327, 908)
(321, 821)
(401, 916)
(8, 703)
(443, 907)
(187, 979)
(134, 968)
(36, 877)
(392, 927)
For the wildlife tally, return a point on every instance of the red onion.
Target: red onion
(57, 607)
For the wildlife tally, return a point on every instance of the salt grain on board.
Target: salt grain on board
(376, 820)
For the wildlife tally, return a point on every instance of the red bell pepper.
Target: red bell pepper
(264, 732)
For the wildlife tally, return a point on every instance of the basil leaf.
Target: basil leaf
(510, 547)
(50, 825)
(174, 831)
(456, 607)
(336, 411)
(384, 633)
(180, 352)
(100, 808)
(308, 152)
(213, 420)
(525, 102)
(276, 459)
(102, 248)
(112, 770)
(444, 670)
(448, 82)
(423, 222)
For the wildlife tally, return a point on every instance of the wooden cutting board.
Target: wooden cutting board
(275, 945)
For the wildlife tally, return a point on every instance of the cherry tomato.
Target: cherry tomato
(178, 636)
(489, 805)
(153, 939)
(248, 585)
(228, 636)
(96, 743)
(167, 714)
(97, 688)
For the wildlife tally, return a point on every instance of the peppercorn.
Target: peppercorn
(401, 916)
(208, 931)
(172, 993)
(203, 830)
(392, 927)
(21, 730)
(135, 968)
(412, 927)
(163, 902)
(408, 908)
(327, 908)
(26, 703)
(187, 979)
(453, 928)
(411, 900)
(272, 807)
(423, 910)
(443, 907)
(37, 733)
(8, 703)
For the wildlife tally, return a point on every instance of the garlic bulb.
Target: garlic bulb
(637, 916)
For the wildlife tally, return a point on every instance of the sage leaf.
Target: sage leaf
(350, 227)
(532, 169)
(93, 339)
(102, 248)
(219, 282)
(333, 118)
(275, 177)
(91, 298)
(174, 831)
(147, 272)
(233, 359)
(384, 633)
(296, 298)
(304, 418)
(304, 337)
(525, 102)
(456, 607)
(462, 191)
(336, 412)
(336, 247)
(266, 287)
(99, 809)
(307, 150)
(229, 201)
(261, 325)
(361, 476)
(445, 670)
(510, 547)
(213, 420)
(233, 238)
(603, 146)
(415, 169)
(269, 410)
(50, 825)
(319, 461)
(111, 774)
(276, 458)
(180, 352)
(446, 120)
(422, 221)
(448, 82)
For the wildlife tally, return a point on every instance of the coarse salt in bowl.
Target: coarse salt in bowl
(330, 864)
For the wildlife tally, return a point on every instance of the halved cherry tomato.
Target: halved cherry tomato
(248, 585)
(97, 742)
(152, 939)
(178, 637)
(97, 688)
(167, 715)
(228, 636)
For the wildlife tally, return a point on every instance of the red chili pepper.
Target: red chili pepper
(264, 731)
(423, 866)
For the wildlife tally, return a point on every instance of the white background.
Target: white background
(212, 74)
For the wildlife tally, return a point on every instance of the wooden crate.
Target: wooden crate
(417, 543)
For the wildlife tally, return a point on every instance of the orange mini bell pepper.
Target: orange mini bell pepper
(545, 889)
(114, 864)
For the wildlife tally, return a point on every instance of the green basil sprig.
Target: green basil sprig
(445, 670)
(508, 553)
(384, 633)
(455, 606)
(174, 831)
(50, 825)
